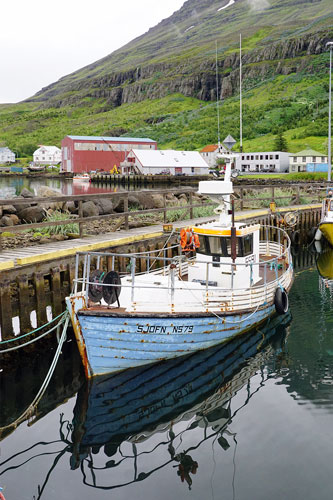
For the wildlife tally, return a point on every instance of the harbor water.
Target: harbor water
(249, 420)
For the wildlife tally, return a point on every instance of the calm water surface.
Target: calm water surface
(12, 186)
(252, 420)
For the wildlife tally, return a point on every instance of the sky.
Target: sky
(42, 40)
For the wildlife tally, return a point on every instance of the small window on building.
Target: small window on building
(304, 159)
(266, 157)
(261, 157)
(257, 157)
(313, 159)
(192, 170)
(252, 157)
(276, 157)
(271, 157)
(323, 159)
(295, 159)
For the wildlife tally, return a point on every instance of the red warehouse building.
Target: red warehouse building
(85, 153)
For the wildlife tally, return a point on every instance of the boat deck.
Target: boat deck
(98, 309)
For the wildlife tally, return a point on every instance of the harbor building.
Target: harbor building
(210, 152)
(89, 153)
(47, 155)
(6, 156)
(269, 162)
(164, 162)
(308, 160)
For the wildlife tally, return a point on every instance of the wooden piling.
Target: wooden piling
(6, 316)
(24, 302)
(39, 285)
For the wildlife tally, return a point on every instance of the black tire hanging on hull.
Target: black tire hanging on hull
(281, 301)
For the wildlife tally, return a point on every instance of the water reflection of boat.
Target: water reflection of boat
(325, 268)
(160, 415)
(81, 178)
(128, 408)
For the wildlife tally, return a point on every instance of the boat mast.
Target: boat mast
(240, 95)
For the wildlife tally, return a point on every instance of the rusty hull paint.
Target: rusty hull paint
(79, 339)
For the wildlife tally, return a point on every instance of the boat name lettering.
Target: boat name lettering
(164, 329)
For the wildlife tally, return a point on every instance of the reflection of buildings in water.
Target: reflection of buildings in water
(160, 410)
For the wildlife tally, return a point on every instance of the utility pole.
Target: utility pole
(330, 46)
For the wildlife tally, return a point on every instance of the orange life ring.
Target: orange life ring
(188, 240)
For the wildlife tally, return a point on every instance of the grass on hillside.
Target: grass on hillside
(296, 104)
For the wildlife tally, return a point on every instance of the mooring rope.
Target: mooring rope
(2, 351)
(33, 331)
(31, 410)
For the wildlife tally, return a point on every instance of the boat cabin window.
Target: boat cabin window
(221, 245)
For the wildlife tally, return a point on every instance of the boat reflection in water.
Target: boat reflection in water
(115, 416)
(325, 267)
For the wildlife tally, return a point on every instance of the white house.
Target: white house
(209, 153)
(168, 162)
(47, 155)
(6, 155)
(299, 161)
(271, 161)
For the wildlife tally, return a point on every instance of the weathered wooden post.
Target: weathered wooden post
(126, 210)
(80, 217)
(164, 209)
(191, 203)
(242, 198)
(24, 311)
(56, 293)
(6, 317)
(39, 285)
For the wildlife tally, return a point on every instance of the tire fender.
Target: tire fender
(281, 301)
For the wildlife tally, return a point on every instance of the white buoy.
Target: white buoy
(318, 235)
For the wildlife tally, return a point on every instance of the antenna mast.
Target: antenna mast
(240, 95)
(217, 98)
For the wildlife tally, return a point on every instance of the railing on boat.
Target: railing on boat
(275, 271)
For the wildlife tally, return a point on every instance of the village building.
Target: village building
(47, 155)
(308, 160)
(89, 153)
(164, 162)
(271, 161)
(6, 155)
(209, 154)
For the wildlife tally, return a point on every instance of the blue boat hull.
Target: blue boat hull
(111, 343)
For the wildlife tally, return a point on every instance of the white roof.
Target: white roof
(49, 149)
(169, 158)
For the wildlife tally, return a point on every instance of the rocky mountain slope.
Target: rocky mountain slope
(178, 55)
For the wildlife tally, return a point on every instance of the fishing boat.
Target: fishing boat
(326, 222)
(81, 178)
(228, 279)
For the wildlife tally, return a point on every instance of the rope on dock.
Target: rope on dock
(31, 410)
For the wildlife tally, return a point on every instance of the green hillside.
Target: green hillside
(162, 85)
